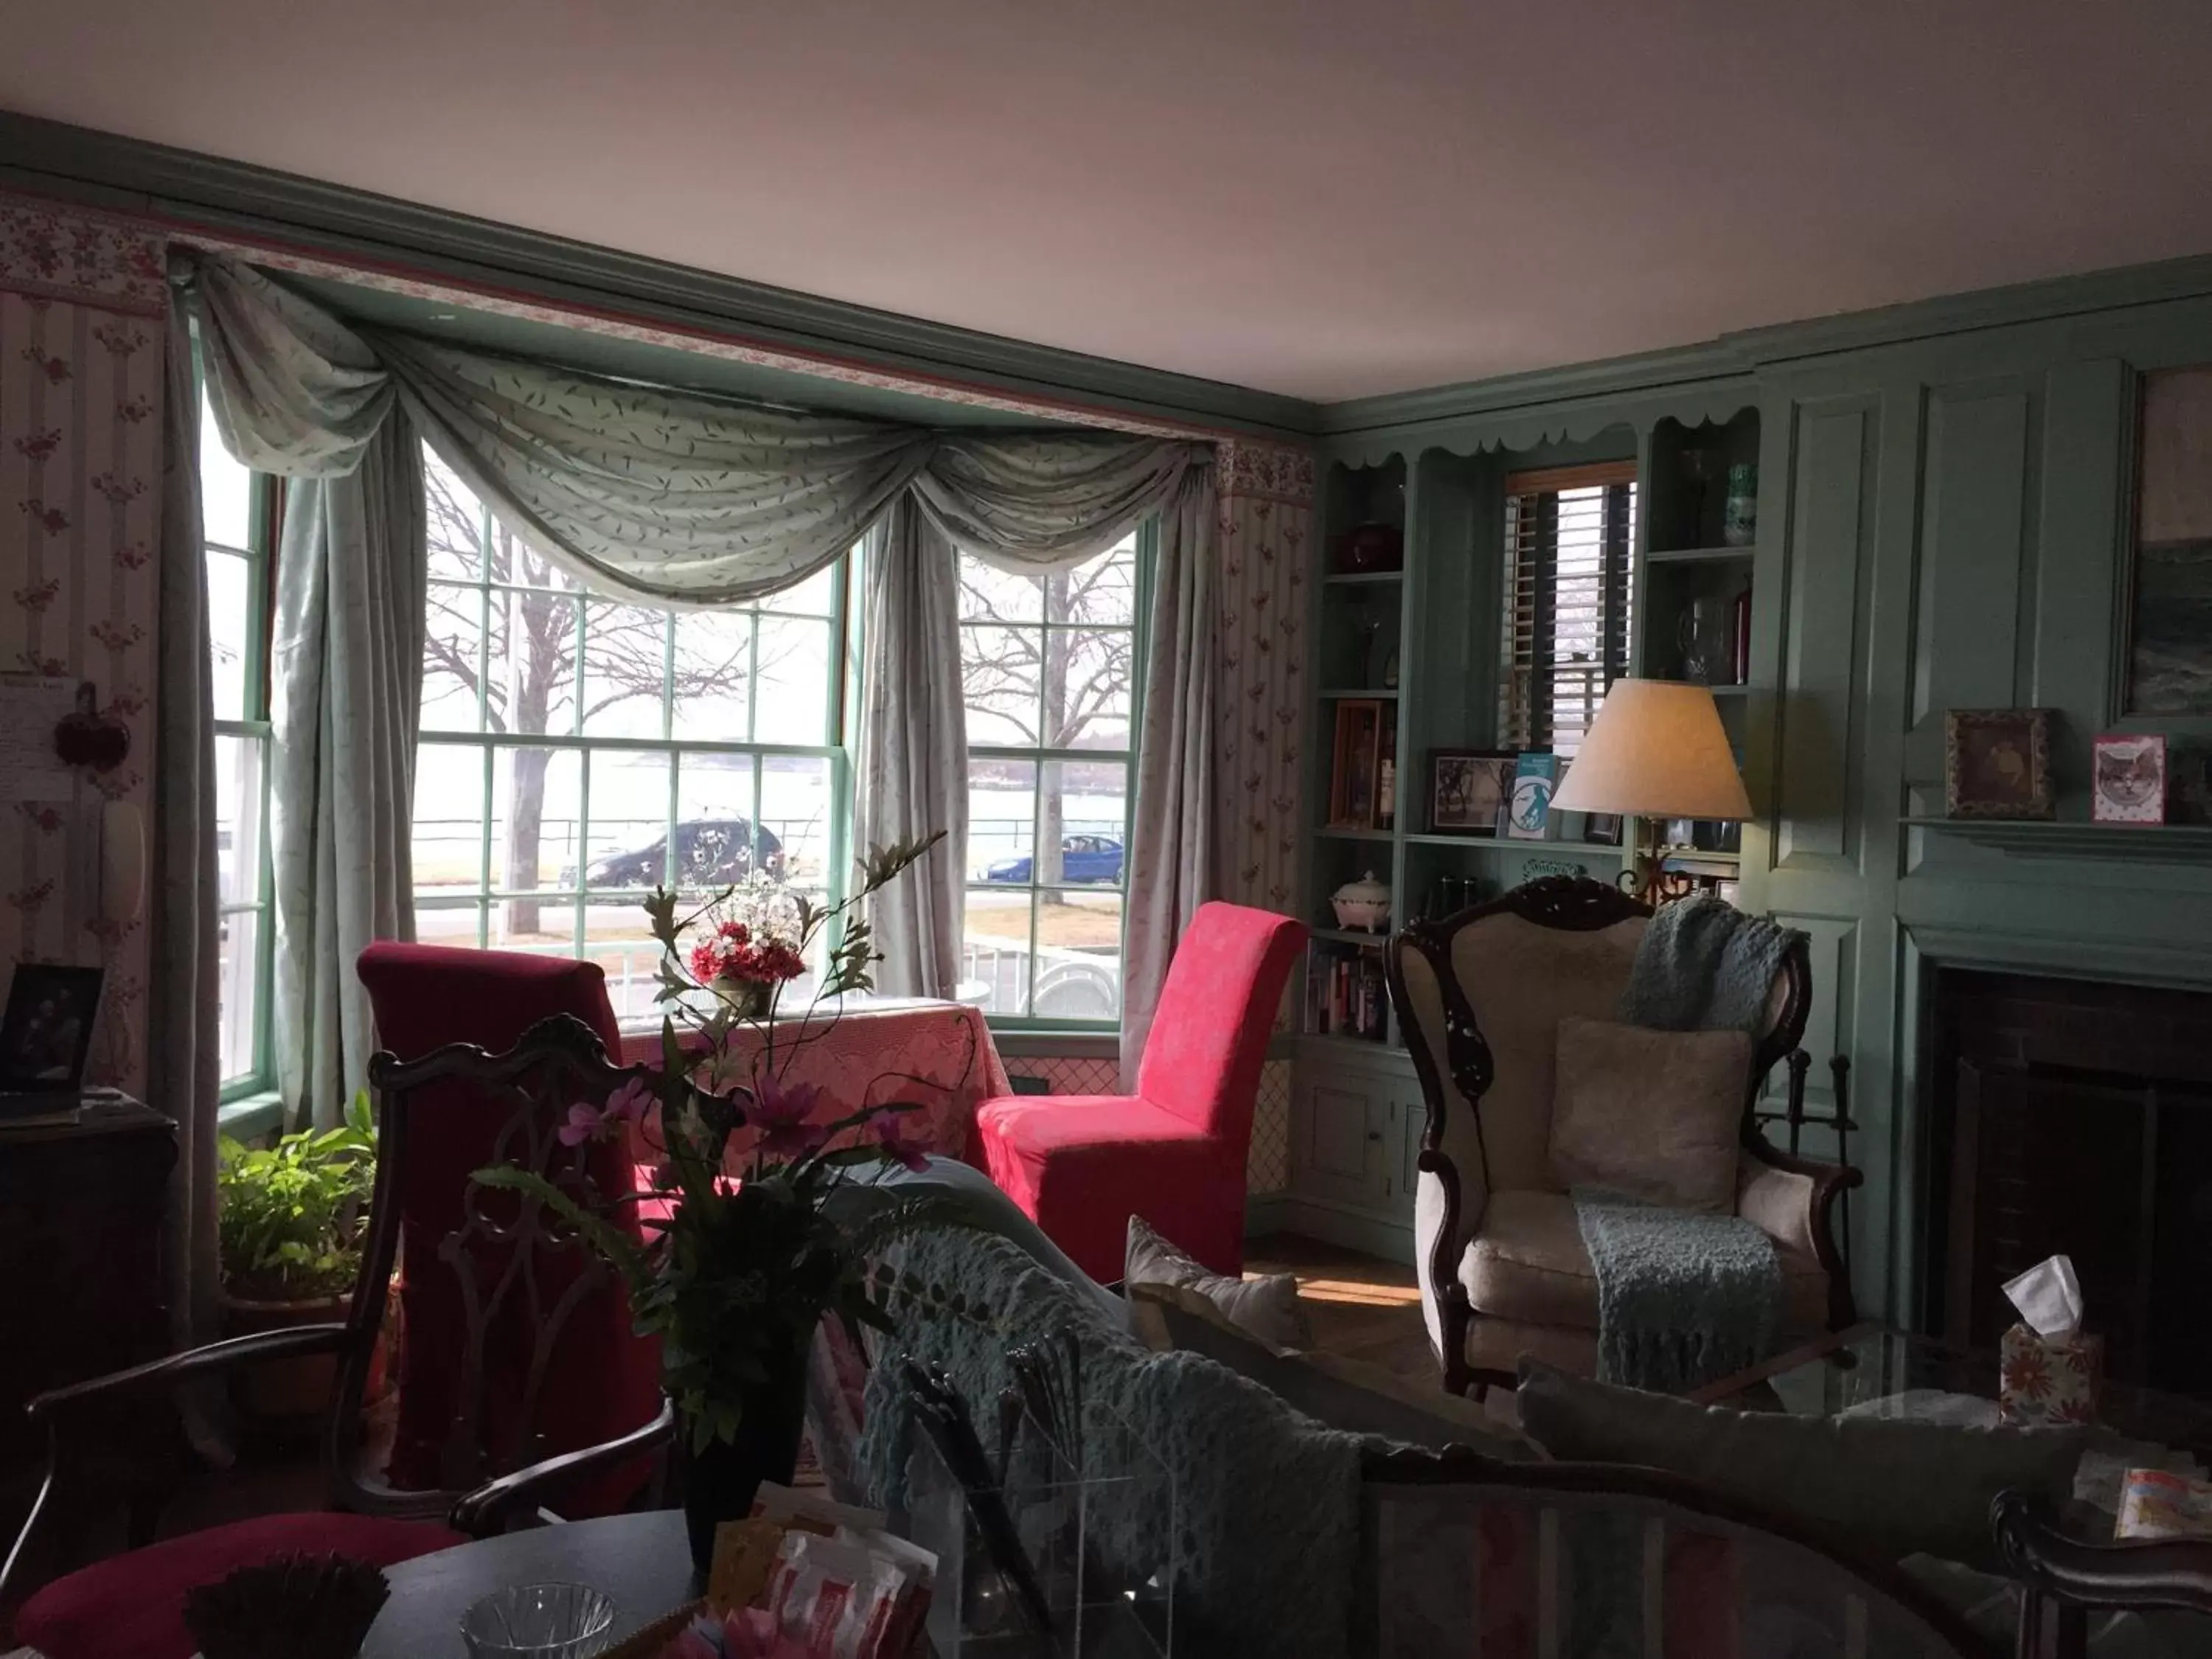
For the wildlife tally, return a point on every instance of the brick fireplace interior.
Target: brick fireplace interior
(2076, 1116)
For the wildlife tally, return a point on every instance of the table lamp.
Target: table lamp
(1655, 752)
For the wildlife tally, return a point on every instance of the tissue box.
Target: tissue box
(2050, 1379)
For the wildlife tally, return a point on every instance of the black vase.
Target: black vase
(719, 1481)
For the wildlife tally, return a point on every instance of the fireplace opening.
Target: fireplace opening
(2075, 1116)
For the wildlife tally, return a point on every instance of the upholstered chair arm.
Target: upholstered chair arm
(492, 1507)
(1793, 1201)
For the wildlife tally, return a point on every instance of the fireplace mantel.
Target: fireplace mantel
(2058, 838)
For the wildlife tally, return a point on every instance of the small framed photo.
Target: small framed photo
(2128, 779)
(1535, 779)
(1997, 763)
(1602, 829)
(46, 1032)
(1470, 790)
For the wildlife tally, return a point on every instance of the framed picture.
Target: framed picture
(2128, 779)
(1355, 782)
(1536, 777)
(1602, 829)
(1469, 789)
(46, 1032)
(2170, 581)
(1997, 763)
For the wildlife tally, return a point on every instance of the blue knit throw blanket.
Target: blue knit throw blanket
(1685, 1297)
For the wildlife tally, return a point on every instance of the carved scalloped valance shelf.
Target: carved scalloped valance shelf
(2038, 838)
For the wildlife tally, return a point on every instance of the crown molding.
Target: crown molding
(188, 190)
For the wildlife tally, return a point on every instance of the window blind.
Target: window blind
(1568, 532)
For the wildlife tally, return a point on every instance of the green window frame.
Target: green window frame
(982, 964)
(244, 746)
(636, 777)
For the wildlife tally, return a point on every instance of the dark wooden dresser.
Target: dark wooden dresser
(82, 1288)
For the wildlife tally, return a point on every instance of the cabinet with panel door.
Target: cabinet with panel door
(1356, 1117)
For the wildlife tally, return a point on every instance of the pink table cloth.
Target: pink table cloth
(874, 1051)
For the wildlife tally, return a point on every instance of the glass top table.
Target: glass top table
(1872, 1370)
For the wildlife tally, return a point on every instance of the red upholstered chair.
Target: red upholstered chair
(550, 1400)
(1081, 1165)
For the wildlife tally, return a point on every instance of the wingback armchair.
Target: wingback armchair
(1502, 1265)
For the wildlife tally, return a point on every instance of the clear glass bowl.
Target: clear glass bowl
(540, 1622)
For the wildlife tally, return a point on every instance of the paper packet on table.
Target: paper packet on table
(805, 1578)
(2051, 1370)
(2158, 1504)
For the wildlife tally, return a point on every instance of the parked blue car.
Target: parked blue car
(1082, 859)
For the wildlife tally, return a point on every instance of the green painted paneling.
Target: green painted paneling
(1827, 534)
(1975, 474)
(2084, 510)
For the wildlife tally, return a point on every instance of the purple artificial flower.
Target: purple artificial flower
(893, 1134)
(631, 1101)
(783, 1113)
(584, 1124)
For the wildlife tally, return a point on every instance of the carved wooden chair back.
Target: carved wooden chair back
(518, 1343)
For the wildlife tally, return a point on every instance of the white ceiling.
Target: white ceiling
(1325, 200)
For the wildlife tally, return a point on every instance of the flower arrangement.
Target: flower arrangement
(747, 1262)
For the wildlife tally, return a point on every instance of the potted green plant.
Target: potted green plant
(290, 1223)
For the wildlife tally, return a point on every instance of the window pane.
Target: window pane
(1079, 962)
(226, 488)
(794, 682)
(453, 658)
(238, 827)
(1086, 682)
(625, 670)
(1000, 679)
(456, 521)
(619, 938)
(796, 807)
(546, 927)
(230, 623)
(717, 843)
(510, 561)
(815, 597)
(713, 649)
(994, 596)
(449, 805)
(994, 949)
(1082, 809)
(458, 925)
(629, 840)
(532, 685)
(1001, 820)
(1101, 593)
(238, 992)
(536, 801)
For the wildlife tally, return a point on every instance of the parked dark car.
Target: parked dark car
(709, 852)
(1082, 859)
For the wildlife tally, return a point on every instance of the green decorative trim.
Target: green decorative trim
(250, 1117)
(2039, 838)
(1042, 1042)
(129, 176)
(2063, 956)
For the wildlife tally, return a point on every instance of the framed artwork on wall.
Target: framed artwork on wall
(1470, 789)
(1997, 763)
(2127, 780)
(2169, 662)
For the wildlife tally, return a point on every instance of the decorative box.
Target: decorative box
(2050, 1379)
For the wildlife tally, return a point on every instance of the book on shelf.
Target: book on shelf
(1345, 995)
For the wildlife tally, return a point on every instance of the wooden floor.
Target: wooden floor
(1359, 1306)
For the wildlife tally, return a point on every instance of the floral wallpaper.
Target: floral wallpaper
(80, 366)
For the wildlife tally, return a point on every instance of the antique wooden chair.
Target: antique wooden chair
(2063, 1580)
(534, 1308)
(1502, 1269)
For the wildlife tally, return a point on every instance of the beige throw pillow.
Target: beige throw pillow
(1652, 1114)
(1267, 1306)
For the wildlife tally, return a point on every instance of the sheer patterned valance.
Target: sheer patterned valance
(649, 493)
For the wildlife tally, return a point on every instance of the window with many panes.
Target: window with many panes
(1568, 594)
(238, 513)
(1050, 666)
(577, 751)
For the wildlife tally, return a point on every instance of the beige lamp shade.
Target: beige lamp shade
(1656, 749)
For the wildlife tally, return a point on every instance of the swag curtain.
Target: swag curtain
(647, 494)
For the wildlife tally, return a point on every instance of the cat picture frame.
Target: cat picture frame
(2127, 778)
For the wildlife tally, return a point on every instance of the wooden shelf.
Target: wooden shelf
(1511, 844)
(1356, 578)
(1380, 693)
(1337, 1042)
(1350, 936)
(1340, 832)
(2048, 838)
(1729, 690)
(1697, 555)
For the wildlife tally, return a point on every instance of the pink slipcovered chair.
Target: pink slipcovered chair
(1174, 1153)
